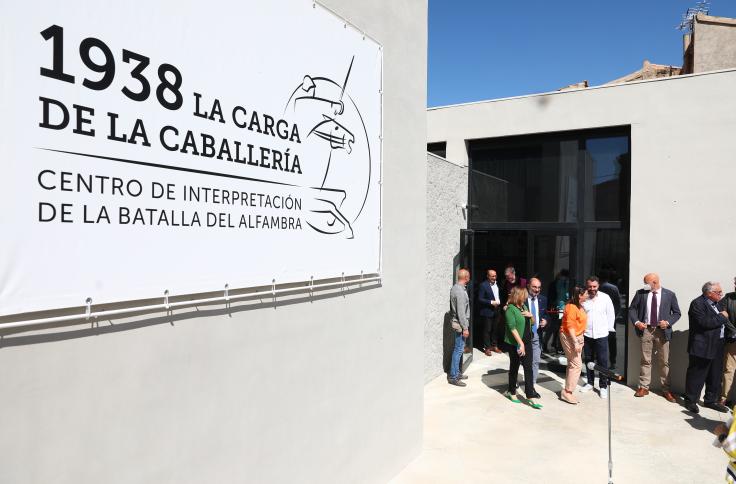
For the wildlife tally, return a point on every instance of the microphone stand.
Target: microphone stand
(612, 377)
(610, 453)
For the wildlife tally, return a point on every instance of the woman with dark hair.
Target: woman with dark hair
(574, 321)
(518, 343)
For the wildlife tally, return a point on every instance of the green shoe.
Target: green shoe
(511, 397)
(534, 404)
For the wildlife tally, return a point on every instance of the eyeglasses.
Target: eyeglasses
(717, 292)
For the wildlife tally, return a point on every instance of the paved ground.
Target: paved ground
(475, 435)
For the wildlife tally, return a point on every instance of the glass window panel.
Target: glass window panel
(606, 176)
(525, 180)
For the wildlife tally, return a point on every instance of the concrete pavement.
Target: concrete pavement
(475, 435)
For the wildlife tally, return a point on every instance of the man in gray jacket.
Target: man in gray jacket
(460, 320)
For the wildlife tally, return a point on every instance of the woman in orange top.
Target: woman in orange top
(573, 325)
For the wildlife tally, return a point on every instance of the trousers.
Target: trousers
(596, 349)
(524, 361)
(654, 344)
(704, 371)
(574, 360)
(729, 368)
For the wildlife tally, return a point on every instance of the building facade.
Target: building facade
(618, 178)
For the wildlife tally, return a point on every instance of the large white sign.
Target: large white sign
(182, 146)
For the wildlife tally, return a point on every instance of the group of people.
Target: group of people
(519, 320)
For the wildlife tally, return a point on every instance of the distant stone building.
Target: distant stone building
(649, 71)
(710, 45)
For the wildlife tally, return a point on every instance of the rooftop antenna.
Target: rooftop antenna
(703, 6)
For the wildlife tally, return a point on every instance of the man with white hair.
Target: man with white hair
(460, 321)
(705, 346)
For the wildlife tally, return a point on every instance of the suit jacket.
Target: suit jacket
(485, 296)
(505, 288)
(669, 310)
(728, 304)
(614, 294)
(705, 329)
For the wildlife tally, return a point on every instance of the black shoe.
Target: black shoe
(535, 395)
(462, 377)
(692, 407)
(456, 382)
(717, 407)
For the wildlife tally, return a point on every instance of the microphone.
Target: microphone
(605, 371)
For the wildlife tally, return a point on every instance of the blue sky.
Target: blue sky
(486, 49)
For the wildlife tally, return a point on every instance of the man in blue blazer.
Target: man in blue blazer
(653, 311)
(489, 299)
(537, 304)
(705, 346)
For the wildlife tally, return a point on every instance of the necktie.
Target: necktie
(653, 310)
(535, 312)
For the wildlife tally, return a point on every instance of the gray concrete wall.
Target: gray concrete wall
(683, 161)
(322, 391)
(447, 192)
(715, 43)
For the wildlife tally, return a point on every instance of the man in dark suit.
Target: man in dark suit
(653, 311)
(489, 299)
(537, 304)
(705, 346)
(610, 288)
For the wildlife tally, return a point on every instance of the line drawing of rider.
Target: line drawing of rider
(340, 195)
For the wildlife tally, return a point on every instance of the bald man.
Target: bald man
(653, 311)
(460, 321)
(537, 304)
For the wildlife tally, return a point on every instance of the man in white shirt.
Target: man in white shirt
(601, 320)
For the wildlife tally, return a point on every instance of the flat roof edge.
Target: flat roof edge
(602, 86)
(440, 158)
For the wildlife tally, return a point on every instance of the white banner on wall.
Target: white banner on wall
(180, 146)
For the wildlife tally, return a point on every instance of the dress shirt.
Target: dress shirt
(715, 308)
(649, 307)
(533, 303)
(494, 288)
(601, 316)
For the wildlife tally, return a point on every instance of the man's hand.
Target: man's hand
(466, 333)
(495, 303)
(543, 323)
(663, 324)
(640, 326)
(724, 313)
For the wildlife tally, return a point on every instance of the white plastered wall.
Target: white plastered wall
(322, 391)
